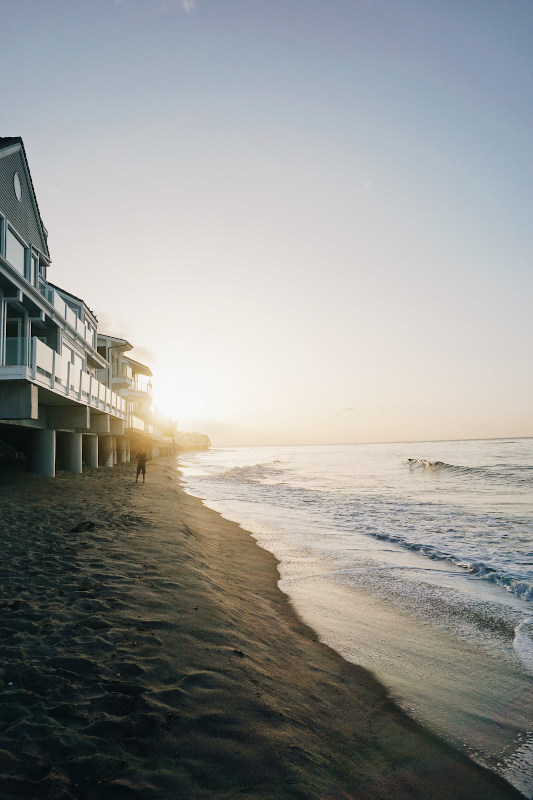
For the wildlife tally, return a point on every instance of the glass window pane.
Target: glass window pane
(34, 271)
(15, 252)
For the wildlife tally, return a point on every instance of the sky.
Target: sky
(312, 218)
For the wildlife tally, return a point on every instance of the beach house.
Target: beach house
(186, 440)
(131, 380)
(54, 406)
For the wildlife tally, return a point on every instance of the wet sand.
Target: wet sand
(147, 652)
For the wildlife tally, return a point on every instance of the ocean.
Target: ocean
(414, 560)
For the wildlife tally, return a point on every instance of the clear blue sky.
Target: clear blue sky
(313, 218)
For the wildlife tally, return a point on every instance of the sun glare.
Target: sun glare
(178, 399)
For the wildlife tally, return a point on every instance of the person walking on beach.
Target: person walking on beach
(141, 465)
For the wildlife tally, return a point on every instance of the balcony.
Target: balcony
(49, 370)
(139, 425)
(55, 299)
(135, 423)
(137, 390)
(124, 379)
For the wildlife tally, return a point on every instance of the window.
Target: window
(13, 342)
(90, 333)
(34, 270)
(17, 187)
(15, 251)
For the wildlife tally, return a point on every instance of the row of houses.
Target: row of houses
(69, 395)
(186, 440)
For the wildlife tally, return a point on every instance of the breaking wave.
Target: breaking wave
(426, 463)
(254, 473)
(471, 542)
(491, 543)
(512, 473)
(478, 569)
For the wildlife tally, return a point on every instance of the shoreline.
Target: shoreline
(459, 676)
(151, 654)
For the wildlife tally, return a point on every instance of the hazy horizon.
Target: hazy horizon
(312, 220)
(220, 442)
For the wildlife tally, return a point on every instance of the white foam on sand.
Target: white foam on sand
(523, 643)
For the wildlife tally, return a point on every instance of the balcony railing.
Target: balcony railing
(122, 371)
(124, 377)
(138, 386)
(55, 299)
(53, 372)
(135, 423)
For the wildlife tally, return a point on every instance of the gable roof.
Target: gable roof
(118, 342)
(15, 144)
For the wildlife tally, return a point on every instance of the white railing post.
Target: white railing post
(53, 369)
(68, 377)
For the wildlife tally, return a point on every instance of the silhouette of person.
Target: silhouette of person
(141, 465)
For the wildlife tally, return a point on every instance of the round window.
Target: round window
(18, 187)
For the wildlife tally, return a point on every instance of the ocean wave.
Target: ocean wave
(488, 547)
(512, 583)
(436, 538)
(490, 543)
(253, 473)
(436, 466)
(425, 463)
(510, 473)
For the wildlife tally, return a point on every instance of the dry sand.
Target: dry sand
(150, 654)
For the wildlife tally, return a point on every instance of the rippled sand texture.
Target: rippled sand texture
(147, 652)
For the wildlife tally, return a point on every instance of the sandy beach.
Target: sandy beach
(146, 651)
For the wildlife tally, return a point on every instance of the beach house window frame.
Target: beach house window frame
(12, 234)
(92, 331)
(33, 267)
(16, 347)
(17, 187)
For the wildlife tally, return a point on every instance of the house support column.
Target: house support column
(44, 453)
(105, 448)
(90, 450)
(127, 442)
(71, 452)
(121, 449)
